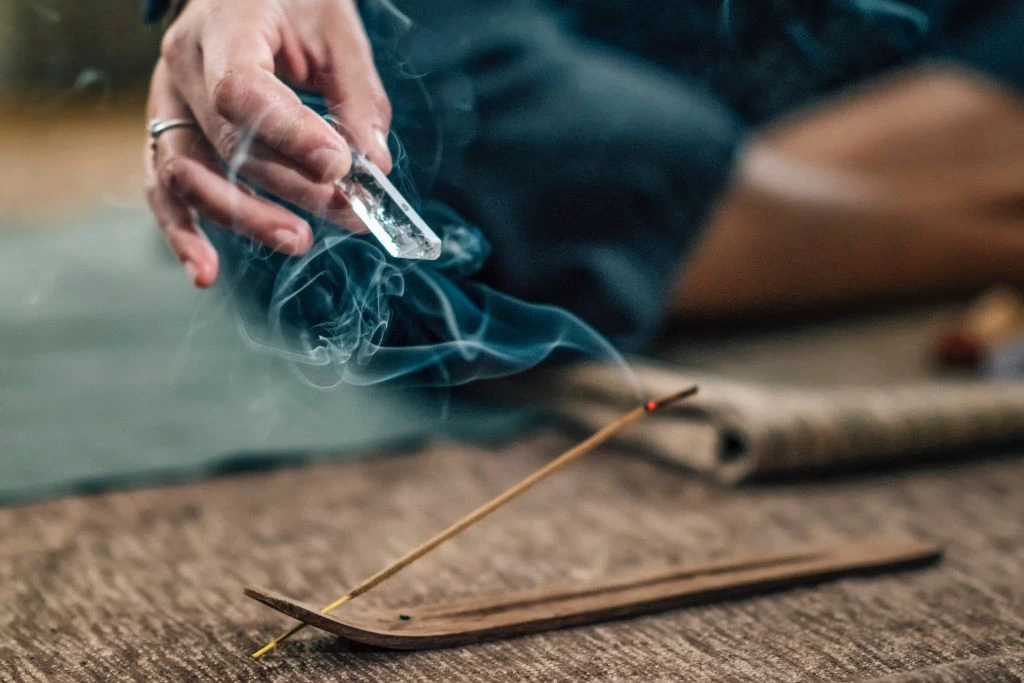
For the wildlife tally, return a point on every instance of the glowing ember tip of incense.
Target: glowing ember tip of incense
(653, 406)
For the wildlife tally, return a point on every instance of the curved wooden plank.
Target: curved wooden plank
(518, 613)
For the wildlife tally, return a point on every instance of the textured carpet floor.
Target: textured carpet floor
(147, 584)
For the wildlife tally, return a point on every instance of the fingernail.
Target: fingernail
(289, 241)
(382, 142)
(328, 163)
(192, 271)
(382, 139)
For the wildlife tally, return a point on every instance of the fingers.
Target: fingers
(222, 74)
(363, 113)
(192, 177)
(352, 86)
(176, 220)
(258, 125)
(276, 174)
(183, 235)
(243, 99)
(185, 178)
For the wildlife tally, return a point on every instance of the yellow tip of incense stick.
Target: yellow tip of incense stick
(298, 627)
(274, 643)
(263, 650)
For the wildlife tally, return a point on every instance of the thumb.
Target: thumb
(354, 91)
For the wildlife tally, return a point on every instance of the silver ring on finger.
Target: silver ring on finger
(158, 127)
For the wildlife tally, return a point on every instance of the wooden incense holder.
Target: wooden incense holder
(542, 609)
(578, 451)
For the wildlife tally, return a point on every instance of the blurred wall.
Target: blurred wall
(55, 48)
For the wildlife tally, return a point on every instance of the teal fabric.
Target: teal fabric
(115, 371)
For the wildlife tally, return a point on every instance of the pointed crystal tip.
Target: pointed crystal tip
(386, 213)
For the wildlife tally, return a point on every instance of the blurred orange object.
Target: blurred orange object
(995, 319)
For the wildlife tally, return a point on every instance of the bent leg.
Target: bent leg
(590, 170)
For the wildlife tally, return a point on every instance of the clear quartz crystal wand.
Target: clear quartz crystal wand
(385, 212)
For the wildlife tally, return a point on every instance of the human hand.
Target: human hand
(908, 187)
(224, 64)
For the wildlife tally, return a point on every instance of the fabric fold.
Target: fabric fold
(735, 430)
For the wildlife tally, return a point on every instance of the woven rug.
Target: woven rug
(147, 585)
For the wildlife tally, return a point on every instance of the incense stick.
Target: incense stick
(580, 449)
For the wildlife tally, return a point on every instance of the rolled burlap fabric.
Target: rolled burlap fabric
(734, 430)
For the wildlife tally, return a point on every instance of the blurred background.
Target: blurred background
(72, 90)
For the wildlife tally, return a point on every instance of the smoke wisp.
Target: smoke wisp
(348, 313)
